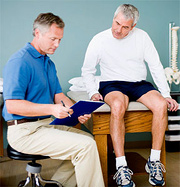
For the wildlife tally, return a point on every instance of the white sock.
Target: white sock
(120, 161)
(155, 155)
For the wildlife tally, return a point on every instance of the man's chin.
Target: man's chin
(51, 52)
(117, 36)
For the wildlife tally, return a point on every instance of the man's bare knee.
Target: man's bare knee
(160, 107)
(118, 107)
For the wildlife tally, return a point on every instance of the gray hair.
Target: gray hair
(45, 20)
(129, 12)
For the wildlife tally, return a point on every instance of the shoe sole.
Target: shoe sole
(147, 168)
(133, 185)
(148, 171)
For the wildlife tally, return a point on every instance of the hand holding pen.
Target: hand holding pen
(65, 106)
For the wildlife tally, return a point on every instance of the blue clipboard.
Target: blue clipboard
(80, 108)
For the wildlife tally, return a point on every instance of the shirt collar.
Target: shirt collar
(33, 51)
(129, 34)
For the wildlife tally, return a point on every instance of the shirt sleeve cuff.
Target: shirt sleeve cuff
(165, 95)
(92, 93)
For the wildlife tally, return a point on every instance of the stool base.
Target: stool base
(34, 176)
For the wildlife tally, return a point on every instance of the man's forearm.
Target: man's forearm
(26, 108)
(29, 109)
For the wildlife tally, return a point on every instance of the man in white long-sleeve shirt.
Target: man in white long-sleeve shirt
(121, 52)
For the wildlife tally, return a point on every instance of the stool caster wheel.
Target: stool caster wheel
(22, 183)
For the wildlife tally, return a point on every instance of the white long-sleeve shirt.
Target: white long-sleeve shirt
(123, 60)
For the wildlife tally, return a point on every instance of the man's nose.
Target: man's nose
(119, 29)
(56, 43)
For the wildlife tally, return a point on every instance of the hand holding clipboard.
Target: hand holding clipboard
(80, 108)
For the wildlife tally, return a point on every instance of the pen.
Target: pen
(64, 106)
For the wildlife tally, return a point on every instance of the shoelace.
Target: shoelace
(122, 171)
(157, 167)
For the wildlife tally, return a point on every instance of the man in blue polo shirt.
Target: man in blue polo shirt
(32, 94)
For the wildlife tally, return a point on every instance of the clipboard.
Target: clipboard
(80, 108)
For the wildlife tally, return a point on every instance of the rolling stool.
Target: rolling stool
(32, 168)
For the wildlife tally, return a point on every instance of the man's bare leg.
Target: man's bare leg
(158, 105)
(118, 103)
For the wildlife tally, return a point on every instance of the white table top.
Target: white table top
(82, 95)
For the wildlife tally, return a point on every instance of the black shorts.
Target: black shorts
(134, 90)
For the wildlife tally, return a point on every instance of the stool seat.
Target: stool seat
(13, 154)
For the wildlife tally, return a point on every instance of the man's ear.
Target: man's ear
(37, 32)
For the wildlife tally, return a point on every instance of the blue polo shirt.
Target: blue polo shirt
(31, 76)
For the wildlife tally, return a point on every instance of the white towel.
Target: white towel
(78, 85)
(76, 88)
